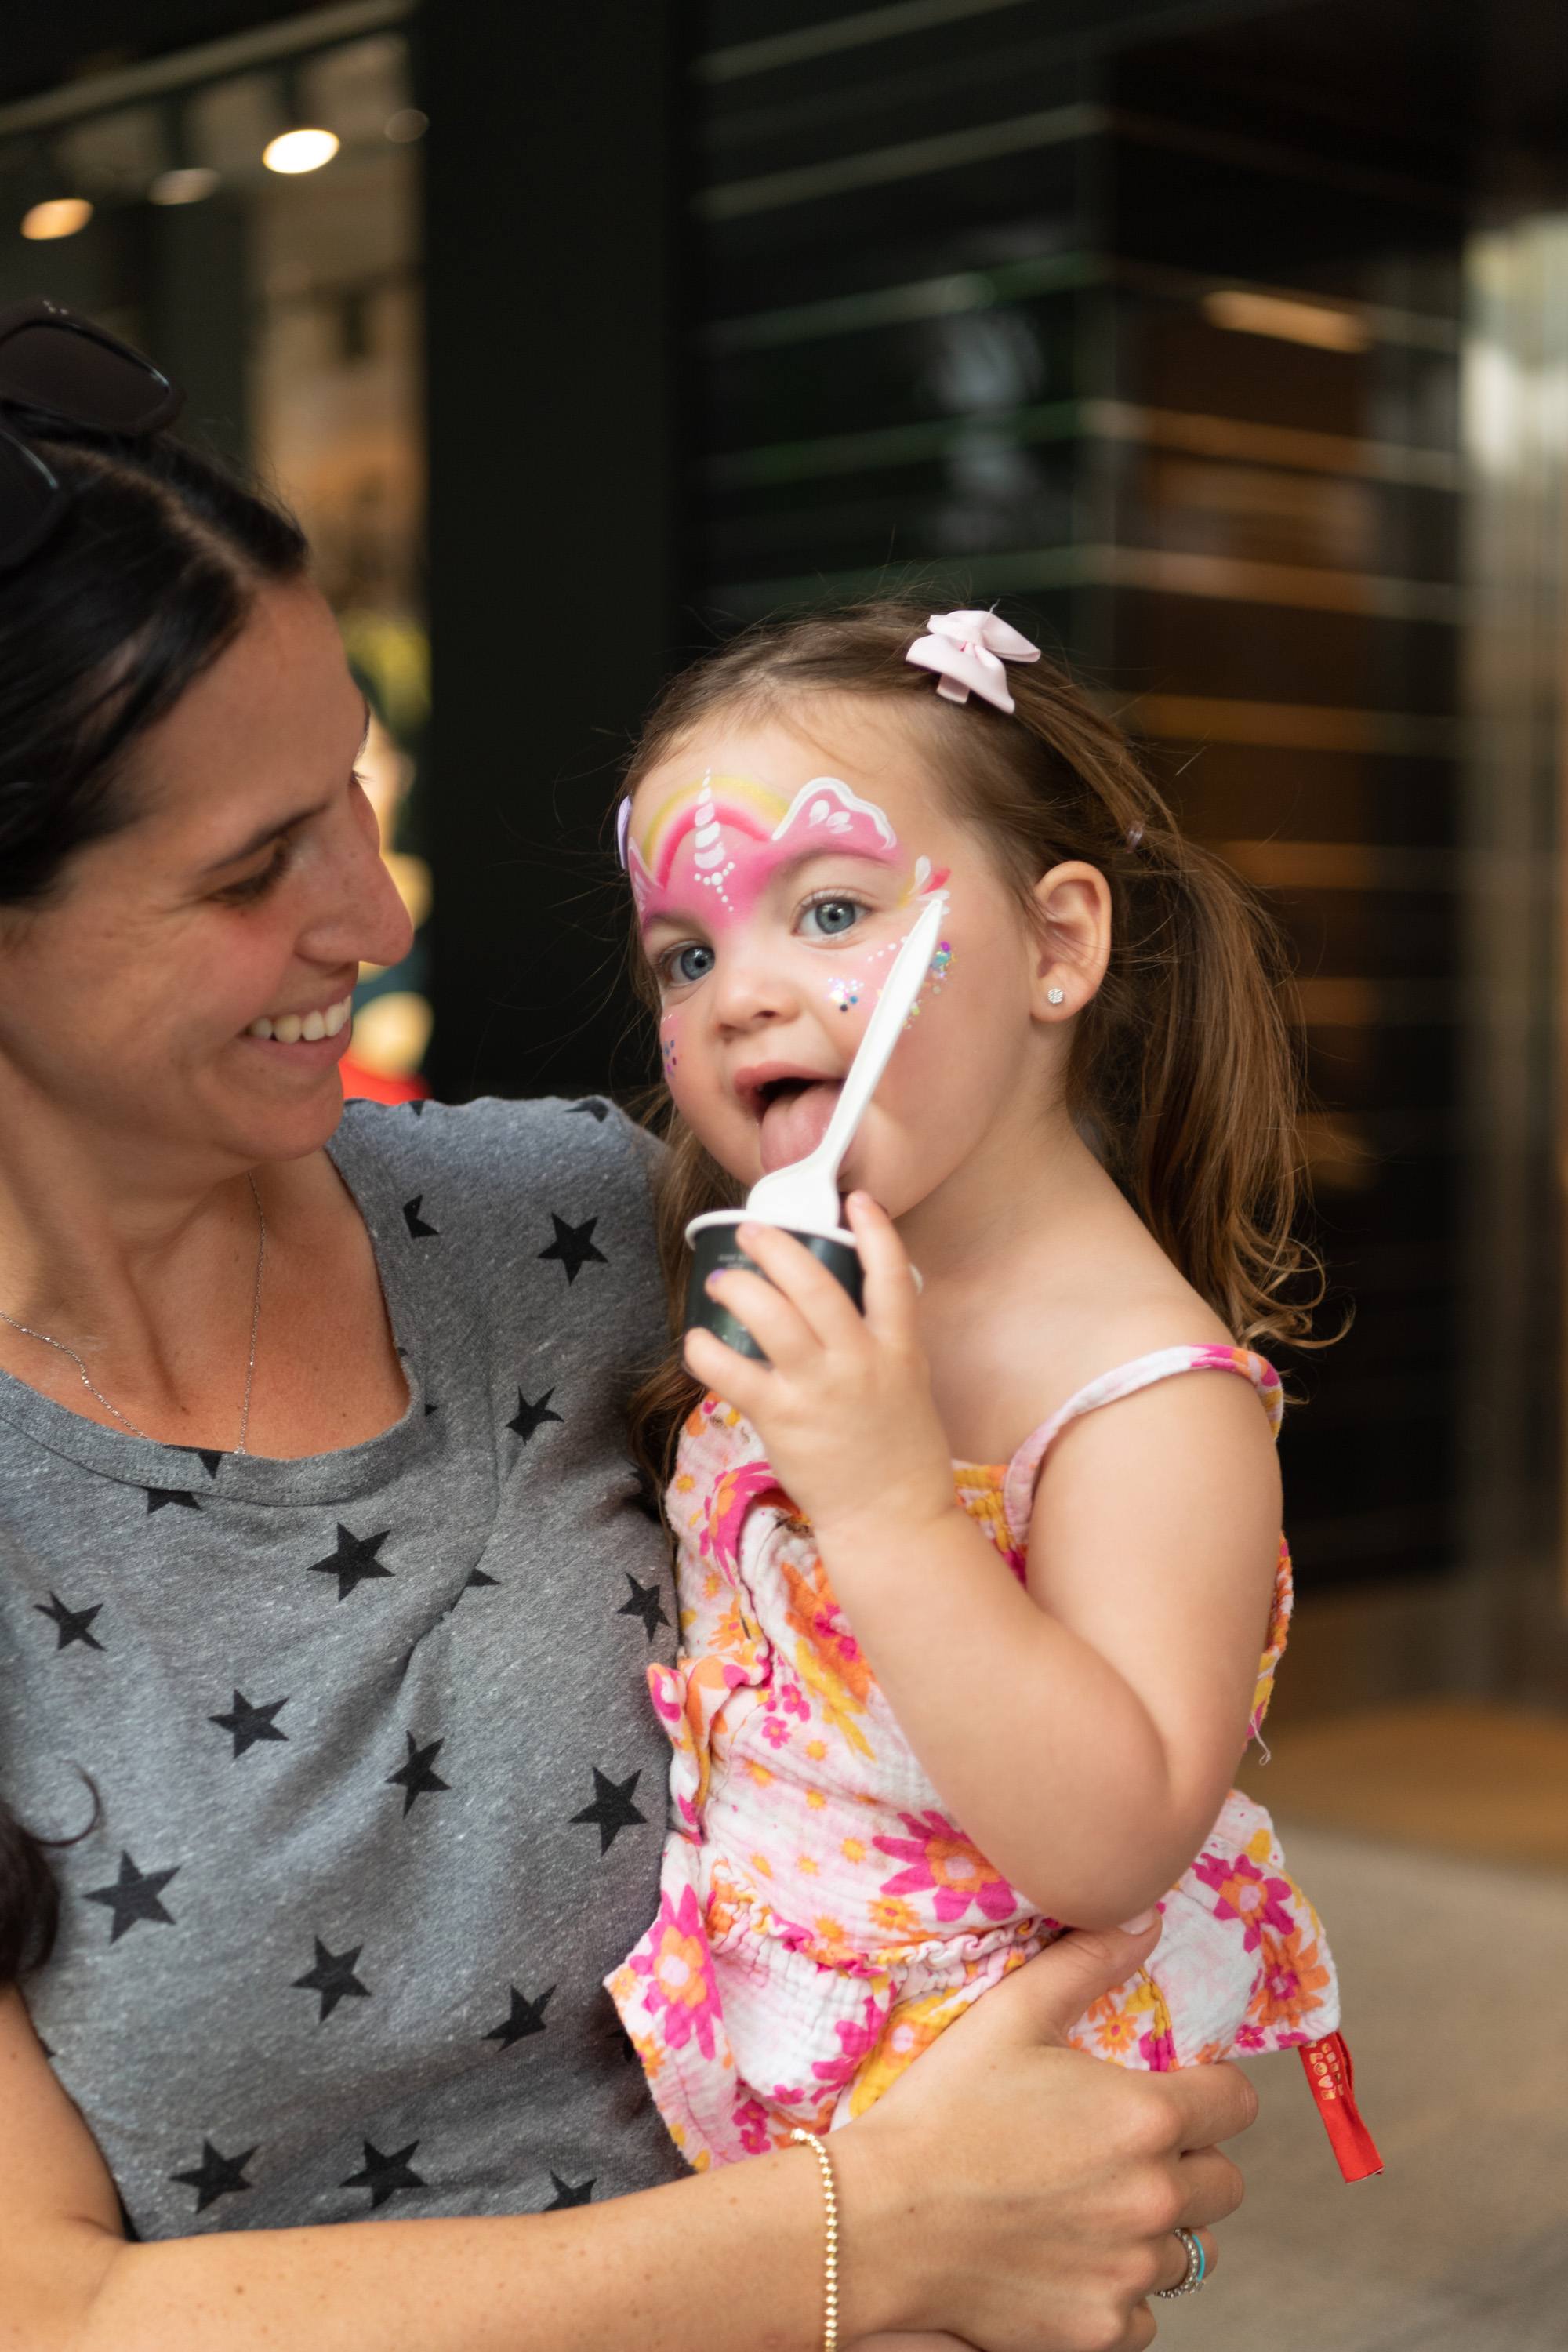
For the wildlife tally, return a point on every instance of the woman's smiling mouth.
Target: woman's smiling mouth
(304, 1028)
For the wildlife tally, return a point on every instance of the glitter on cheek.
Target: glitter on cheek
(845, 994)
(672, 1058)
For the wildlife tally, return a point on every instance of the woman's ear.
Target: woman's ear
(1073, 929)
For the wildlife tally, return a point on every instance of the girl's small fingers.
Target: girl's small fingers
(774, 1321)
(740, 1380)
(891, 1292)
(822, 1301)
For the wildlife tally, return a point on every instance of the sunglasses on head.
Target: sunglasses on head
(59, 366)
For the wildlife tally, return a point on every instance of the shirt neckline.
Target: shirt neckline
(335, 1478)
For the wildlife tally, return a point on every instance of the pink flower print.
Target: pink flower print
(751, 2122)
(1244, 1894)
(856, 2042)
(681, 1984)
(1158, 2051)
(776, 1731)
(945, 1864)
(664, 1689)
(1249, 2037)
(794, 1701)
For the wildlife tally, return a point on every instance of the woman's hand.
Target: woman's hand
(844, 1403)
(1039, 2188)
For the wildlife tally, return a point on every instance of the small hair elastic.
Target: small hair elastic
(623, 825)
(967, 651)
(1135, 835)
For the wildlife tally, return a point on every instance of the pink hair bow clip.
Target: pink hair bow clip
(967, 651)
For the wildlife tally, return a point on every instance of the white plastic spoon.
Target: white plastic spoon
(805, 1196)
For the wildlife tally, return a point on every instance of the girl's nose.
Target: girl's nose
(753, 990)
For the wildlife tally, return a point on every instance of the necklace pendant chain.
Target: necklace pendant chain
(49, 1341)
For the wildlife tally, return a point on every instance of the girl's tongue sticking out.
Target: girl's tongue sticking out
(794, 1113)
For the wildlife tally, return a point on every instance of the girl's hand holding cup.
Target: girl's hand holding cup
(843, 1403)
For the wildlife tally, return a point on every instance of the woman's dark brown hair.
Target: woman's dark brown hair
(1184, 1069)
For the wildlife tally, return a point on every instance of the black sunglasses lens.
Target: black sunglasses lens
(30, 499)
(87, 382)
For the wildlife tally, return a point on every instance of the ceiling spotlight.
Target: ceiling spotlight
(60, 216)
(1290, 321)
(183, 187)
(299, 151)
(409, 123)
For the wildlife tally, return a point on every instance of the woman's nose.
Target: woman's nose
(361, 919)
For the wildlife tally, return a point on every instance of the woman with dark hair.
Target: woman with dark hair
(329, 1781)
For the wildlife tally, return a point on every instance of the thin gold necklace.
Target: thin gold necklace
(28, 1331)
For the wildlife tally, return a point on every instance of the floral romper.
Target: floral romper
(821, 1919)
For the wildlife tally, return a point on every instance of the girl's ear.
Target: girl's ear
(1073, 901)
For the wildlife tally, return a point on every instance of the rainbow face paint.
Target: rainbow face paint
(710, 850)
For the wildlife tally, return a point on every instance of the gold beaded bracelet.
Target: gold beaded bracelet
(830, 2204)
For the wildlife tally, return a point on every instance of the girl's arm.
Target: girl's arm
(1015, 2193)
(1084, 1732)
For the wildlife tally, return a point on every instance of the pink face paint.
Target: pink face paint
(711, 849)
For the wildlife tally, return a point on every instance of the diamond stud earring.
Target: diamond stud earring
(1055, 995)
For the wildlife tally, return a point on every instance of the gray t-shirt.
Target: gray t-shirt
(381, 1792)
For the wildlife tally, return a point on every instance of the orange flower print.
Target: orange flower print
(895, 1919)
(1290, 1988)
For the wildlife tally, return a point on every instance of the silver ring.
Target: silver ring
(1197, 2264)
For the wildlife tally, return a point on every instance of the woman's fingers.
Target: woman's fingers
(1211, 2189)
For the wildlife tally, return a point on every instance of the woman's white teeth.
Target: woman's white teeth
(292, 1028)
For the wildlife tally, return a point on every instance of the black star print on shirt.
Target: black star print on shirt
(565, 2194)
(531, 1417)
(597, 1110)
(216, 2176)
(249, 1724)
(573, 1245)
(418, 1231)
(612, 1807)
(383, 2176)
(354, 1560)
(333, 1978)
(72, 1624)
(527, 2017)
(160, 1498)
(209, 1455)
(644, 1603)
(415, 1778)
(417, 1106)
(134, 1896)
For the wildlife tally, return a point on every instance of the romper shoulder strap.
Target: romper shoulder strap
(1142, 1372)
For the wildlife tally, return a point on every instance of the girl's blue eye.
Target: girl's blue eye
(690, 964)
(831, 917)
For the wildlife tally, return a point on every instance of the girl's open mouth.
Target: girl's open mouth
(792, 1114)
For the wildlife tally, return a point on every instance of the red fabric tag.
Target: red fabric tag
(1331, 2080)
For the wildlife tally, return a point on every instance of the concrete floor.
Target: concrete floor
(1453, 1972)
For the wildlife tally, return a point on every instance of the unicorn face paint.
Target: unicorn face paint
(708, 851)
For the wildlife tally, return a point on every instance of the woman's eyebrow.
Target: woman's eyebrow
(276, 827)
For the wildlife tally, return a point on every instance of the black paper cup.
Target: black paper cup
(715, 1250)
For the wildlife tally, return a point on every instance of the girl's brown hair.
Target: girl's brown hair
(1184, 1069)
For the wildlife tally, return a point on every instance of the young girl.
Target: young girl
(973, 1586)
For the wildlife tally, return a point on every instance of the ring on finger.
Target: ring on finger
(1197, 2266)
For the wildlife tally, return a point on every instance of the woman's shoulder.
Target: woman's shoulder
(506, 1152)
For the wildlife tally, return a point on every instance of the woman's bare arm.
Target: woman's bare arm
(1008, 2191)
